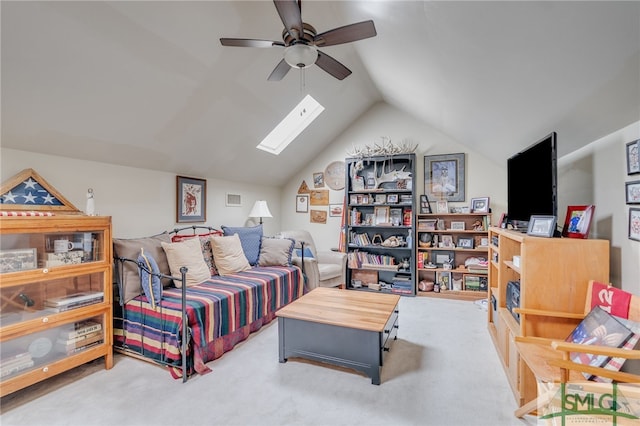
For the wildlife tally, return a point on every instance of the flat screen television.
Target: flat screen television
(532, 185)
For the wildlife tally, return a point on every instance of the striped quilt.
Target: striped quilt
(221, 312)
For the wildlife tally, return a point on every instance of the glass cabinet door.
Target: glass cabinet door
(25, 251)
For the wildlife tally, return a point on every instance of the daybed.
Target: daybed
(232, 285)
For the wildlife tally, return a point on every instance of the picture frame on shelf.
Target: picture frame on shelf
(634, 224)
(578, 221)
(380, 199)
(542, 226)
(632, 192)
(335, 210)
(425, 207)
(353, 199)
(465, 242)
(633, 157)
(444, 176)
(457, 225)
(446, 241)
(427, 224)
(357, 183)
(191, 199)
(442, 207)
(392, 198)
(444, 279)
(381, 215)
(480, 241)
(395, 216)
(443, 257)
(480, 205)
(15, 260)
(302, 203)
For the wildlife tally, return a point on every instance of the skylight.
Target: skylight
(293, 124)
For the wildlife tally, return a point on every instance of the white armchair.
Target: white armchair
(325, 269)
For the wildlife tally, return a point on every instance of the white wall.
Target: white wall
(484, 179)
(141, 202)
(596, 175)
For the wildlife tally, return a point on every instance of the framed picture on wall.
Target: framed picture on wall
(633, 157)
(634, 224)
(302, 203)
(632, 192)
(191, 205)
(444, 177)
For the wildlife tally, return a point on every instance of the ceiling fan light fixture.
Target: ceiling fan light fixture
(301, 55)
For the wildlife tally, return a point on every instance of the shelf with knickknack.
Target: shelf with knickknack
(451, 255)
(380, 226)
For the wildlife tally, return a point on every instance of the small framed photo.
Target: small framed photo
(18, 260)
(634, 224)
(302, 203)
(444, 279)
(465, 242)
(443, 258)
(353, 199)
(425, 207)
(392, 198)
(542, 226)
(191, 196)
(457, 225)
(480, 205)
(480, 241)
(446, 241)
(578, 221)
(381, 215)
(442, 207)
(335, 210)
(380, 199)
(632, 190)
(318, 180)
(633, 157)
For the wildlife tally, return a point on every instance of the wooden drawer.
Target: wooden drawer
(390, 332)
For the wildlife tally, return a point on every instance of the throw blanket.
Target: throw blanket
(221, 312)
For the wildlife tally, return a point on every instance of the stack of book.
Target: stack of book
(84, 335)
(15, 363)
(402, 284)
(72, 301)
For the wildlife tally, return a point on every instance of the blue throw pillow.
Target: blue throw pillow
(250, 238)
(307, 253)
(150, 283)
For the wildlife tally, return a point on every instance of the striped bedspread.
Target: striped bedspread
(221, 312)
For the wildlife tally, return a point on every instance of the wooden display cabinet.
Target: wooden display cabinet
(380, 229)
(55, 296)
(467, 236)
(553, 274)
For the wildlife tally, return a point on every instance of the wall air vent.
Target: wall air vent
(233, 200)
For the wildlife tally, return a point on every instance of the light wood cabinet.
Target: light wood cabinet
(553, 274)
(457, 237)
(55, 296)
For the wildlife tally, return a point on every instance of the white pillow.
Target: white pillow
(187, 253)
(228, 255)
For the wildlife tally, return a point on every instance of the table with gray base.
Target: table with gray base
(347, 328)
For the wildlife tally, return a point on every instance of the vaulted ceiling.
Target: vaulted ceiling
(147, 84)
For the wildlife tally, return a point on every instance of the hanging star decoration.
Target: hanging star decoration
(29, 191)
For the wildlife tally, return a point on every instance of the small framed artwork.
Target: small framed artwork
(633, 157)
(443, 258)
(578, 221)
(446, 241)
(191, 198)
(465, 242)
(380, 199)
(480, 241)
(318, 216)
(480, 205)
(425, 207)
(442, 207)
(335, 210)
(457, 225)
(633, 192)
(634, 224)
(18, 260)
(302, 203)
(353, 199)
(318, 180)
(392, 198)
(319, 197)
(542, 226)
(444, 279)
(381, 215)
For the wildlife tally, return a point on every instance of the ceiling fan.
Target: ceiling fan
(301, 42)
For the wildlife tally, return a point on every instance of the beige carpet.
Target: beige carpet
(442, 370)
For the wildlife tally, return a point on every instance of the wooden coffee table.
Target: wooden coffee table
(348, 328)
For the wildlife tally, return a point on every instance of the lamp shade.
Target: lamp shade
(300, 55)
(260, 209)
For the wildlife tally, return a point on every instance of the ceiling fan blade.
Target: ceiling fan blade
(291, 16)
(332, 66)
(247, 42)
(346, 34)
(279, 71)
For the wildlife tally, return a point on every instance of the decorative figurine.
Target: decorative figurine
(91, 207)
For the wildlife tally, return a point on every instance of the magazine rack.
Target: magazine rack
(549, 360)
